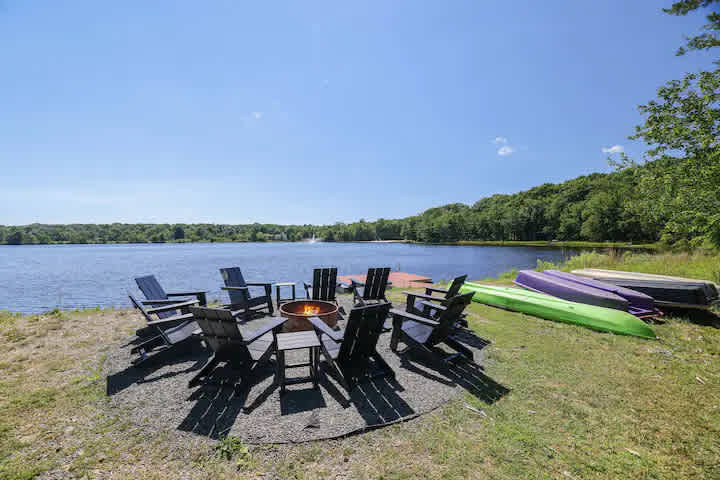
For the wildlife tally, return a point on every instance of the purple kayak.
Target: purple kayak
(567, 290)
(636, 299)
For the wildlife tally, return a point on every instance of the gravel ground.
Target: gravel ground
(158, 395)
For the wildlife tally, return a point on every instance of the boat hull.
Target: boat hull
(599, 274)
(567, 290)
(635, 298)
(690, 295)
(556, 309)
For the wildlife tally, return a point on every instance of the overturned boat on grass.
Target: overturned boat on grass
(667, 291)
(553, 308)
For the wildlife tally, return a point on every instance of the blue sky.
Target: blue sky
(315, 112)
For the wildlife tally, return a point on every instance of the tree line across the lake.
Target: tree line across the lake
(600, 207)
(672, 198)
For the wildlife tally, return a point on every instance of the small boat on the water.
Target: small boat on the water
(552, 308)
(667, 291)
(640, 304)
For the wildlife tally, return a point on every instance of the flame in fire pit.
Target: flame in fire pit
(310, 310)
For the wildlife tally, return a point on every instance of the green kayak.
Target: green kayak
(552, 308)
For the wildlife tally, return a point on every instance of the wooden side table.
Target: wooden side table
(279, 300)
(297, 341)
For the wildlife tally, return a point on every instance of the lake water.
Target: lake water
(38, 278)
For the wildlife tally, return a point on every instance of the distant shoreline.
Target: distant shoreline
(461, 243)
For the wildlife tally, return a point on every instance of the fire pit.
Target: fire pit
(297, 312)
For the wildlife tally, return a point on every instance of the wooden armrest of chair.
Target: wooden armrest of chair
(415, 318)
(186, 294)
(174, 318)
(258, 284)
(174, 306)
(235, 310)
(428, 290)
(323, 327)
(262, 331)
(159, 302)
(423, 297)
(234, 288)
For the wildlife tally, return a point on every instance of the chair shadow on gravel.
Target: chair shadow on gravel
(376, 400)
(301, 400)
(378, 403)
(466, 374)
(214, 412)
(217, 404)
(143, 373)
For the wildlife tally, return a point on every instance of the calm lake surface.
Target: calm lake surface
(38, 278)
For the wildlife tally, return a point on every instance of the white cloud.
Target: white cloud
(257, 115)
(506, 150)
(505, 147)
(613, 149)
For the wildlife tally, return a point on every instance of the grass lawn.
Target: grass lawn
(581, 405)
(701, 265)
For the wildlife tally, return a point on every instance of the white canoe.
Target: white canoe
(599, 273)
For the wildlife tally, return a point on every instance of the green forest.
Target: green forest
(598, 207)
(671, 196)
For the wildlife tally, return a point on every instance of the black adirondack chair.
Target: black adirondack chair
(445, 294)
(424, 333)
(426, 304)
(156, 294)
(241, 300)
(164, 333)
(324, 285)
(351, 353)
(373, 290)
(245, 353)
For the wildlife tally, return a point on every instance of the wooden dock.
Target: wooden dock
(398, 279)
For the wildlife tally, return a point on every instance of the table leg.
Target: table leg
(293, 291)
(277, 295)
(281, 371)
(315, 352)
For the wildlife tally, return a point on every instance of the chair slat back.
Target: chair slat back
(324, 284)
(376, 283)
(233, 277)
(447, 319)
(152, 290)
(454, 288)
(364, 326)
(220, 332)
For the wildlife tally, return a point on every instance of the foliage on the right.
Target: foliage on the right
(679, 186)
